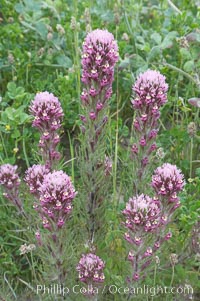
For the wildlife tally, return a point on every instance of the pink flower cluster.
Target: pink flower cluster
(90, 268)
(147, 218)
(47, 111)
(142, 215)
(10, 181)
(56, 195)
(143, 222)
(100, 53)
(141, 212)
(48, 114)
(150, 89)
(9, 177)
(150, 94)
(167, 180)
(55, 192)
(34, 177)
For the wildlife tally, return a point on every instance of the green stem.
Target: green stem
(9, 285)
(72, 157)
(116, 141)
(24, 151)
(191, 155)
(77, 63)
(172, 279)
(77, 59)
(154, 279)
(182, 72)
(27, 74)
(130, 30)
(4, 66)
(2, 141)
(31, 264)
(49, 65)
(162, 124)
(175, 8)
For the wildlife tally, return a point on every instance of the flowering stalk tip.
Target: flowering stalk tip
(56, 195)
(90, 269)
(48, 113)
(10, 181)
(150, 93)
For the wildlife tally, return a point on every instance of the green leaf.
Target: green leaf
(156, 37)
(197, 172)
(186, 55)
(125, 131)
(137, 61)
(3, 118)
(11, 86)
(32, 5)
(140, 39)
(64, 61)
(16, 134)
(24, 117)
(168, 40)
(41, 29)
(107, 16)
(20, 90)
(9, 112)
(189, 66)
(124, 64)
(19, 7)
(154, 53)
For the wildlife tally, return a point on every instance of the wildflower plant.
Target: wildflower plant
(10, 181)
(142, 215)
(53, 190)
(147, 218)
(90, 269)
(99, 56)
(150, 94)
(48, 113)
(167, 181)
(56, 195)
(34, 177)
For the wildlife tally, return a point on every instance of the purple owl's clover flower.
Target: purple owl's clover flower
(10, 181)
(99, 56)
(150, 89)
(47, 111)
(150, 92)
(147, 218)
(9, 177)
(100, 53)
(141, 212)
(48, 114)
(34, 177)
(90, 268)
(167, 181)
(56, 195)
(143, 218)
